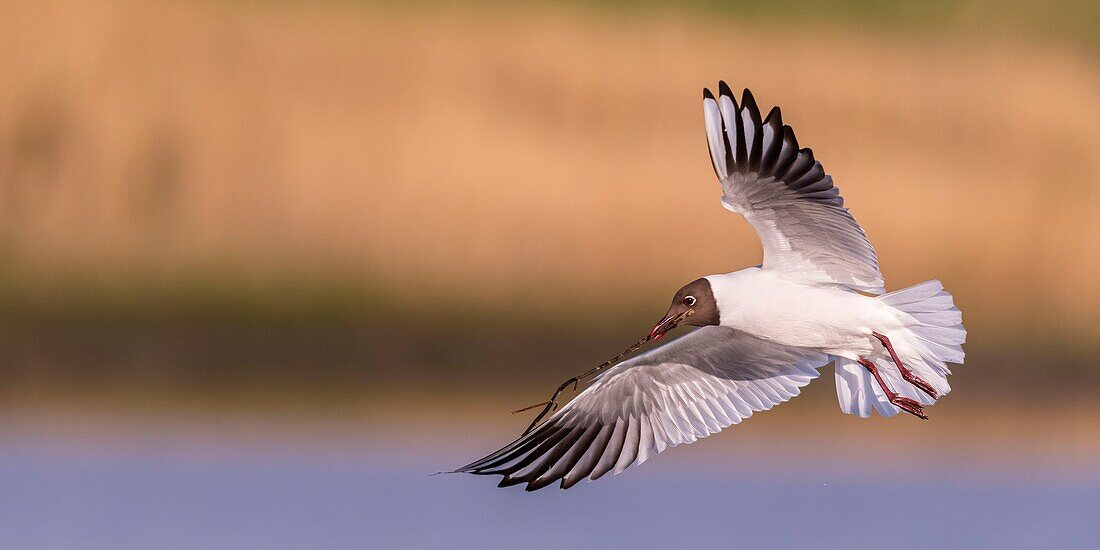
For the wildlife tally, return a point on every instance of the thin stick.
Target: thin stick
(552, 404)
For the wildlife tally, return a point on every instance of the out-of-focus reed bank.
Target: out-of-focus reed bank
(242, 198)
(386, 222)
(351, 212)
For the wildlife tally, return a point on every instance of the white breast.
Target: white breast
(775, 308)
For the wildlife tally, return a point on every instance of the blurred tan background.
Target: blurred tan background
(367, 209)
(266, 264)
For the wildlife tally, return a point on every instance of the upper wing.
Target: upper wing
(786, 195)
(687, 389)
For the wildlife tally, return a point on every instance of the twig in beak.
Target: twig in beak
(552, 404)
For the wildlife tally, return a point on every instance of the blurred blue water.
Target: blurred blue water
(69, 496)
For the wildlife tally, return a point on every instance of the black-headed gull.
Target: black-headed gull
(817, 298)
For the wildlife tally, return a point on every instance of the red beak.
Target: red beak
(661, 328)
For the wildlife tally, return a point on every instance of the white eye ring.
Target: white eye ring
(689, 301)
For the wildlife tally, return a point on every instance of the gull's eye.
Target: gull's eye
(689, 301)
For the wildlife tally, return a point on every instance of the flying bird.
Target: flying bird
(817, 298)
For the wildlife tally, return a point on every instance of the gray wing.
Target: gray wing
(785, 195)
(685, 390)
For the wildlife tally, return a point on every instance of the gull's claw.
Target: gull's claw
(906, 374)
(910, 406)
(906, 404)
(921, 384)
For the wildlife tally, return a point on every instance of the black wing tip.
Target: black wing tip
(540, 483)
(775, 114)
(724, 89)
(534, 484)
(788, 133)
(507, 481)
(747, 98)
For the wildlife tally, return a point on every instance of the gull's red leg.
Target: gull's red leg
(907, 374)
(904, 403)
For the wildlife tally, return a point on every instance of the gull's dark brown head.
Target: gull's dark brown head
(694, 304)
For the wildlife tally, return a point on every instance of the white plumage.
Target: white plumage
(816, 298)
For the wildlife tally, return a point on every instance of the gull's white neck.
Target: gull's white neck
(777, 307)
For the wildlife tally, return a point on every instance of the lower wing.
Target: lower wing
(685, 390)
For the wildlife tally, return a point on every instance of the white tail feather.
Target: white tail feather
(858, 392)
(932, 338)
